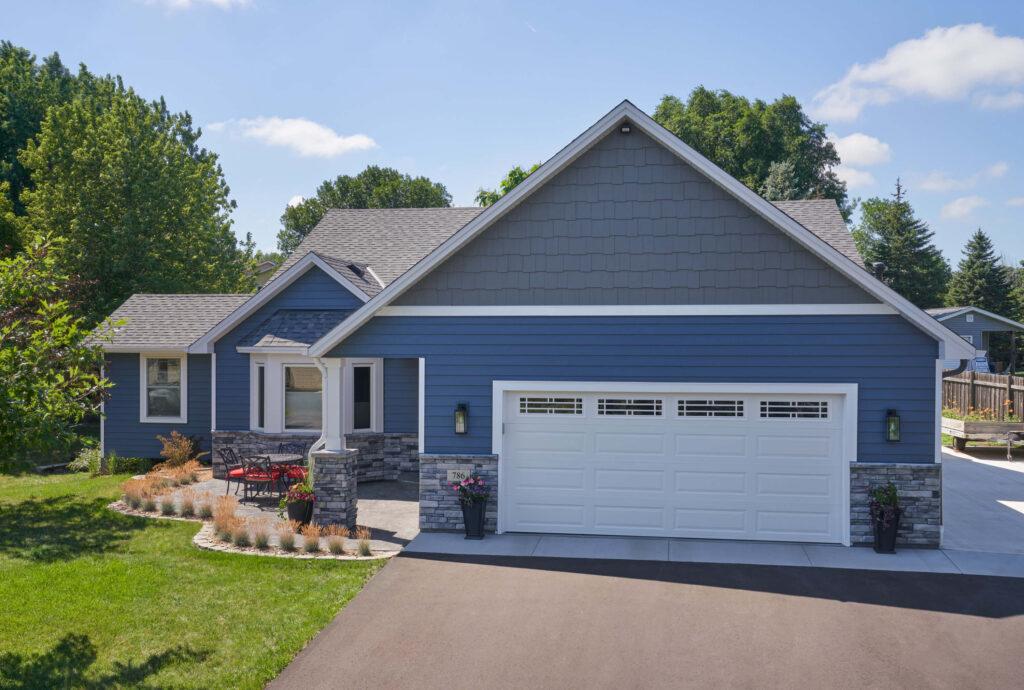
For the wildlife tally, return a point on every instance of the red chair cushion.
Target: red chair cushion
(236, 473)
(260, 476)
(293, 472)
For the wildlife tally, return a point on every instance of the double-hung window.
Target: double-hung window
(163, 390)
(302, 391)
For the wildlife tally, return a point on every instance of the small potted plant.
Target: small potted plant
(473, 497)
(297, 502)
(885, 516)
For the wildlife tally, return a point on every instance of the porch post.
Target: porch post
(334, 439)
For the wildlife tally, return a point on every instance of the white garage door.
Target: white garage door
(713, 465)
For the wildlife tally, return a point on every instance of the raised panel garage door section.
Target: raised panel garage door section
(722, 466)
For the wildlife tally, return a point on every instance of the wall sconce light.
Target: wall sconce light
(461, 418)
(892, 425)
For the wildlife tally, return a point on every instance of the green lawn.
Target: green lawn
(92, 598)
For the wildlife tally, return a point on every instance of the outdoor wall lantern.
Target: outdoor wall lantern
(461, 418)
(892, 425)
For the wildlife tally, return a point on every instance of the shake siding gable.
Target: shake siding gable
(630, 223)
(891, 361)
(125, 435)
(313, 290)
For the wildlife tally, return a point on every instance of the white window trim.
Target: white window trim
(968, 338)
(295, 365)
(847, 417)
(376, 395)
(145, 418)
(273, 415)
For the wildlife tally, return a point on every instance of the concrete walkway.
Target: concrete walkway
(983, 500)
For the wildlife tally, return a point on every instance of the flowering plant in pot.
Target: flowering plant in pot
(473, 494)
(298, 502)
(884, 505)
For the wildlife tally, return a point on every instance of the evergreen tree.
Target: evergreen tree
(889, 233)
(781, 183)
(979, 280)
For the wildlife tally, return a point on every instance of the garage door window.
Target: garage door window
(551, 405)
(710, 408)
(626, 407)
(794, 409)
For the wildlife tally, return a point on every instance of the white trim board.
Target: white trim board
(204, 345)
(642, 310)
(849, 392)
(950, 345)
(144, 417)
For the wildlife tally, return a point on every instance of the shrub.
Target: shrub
(188, 503)
(286, 534)
(311, 537)
(167, 505)
(363, 535)
(87, 460)
(336, 535)
(180, 449)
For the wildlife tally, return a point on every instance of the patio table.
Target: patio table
(283, 458)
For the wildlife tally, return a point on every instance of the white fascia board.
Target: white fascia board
(296, 271)
(131, 350)
(872, 308)
(984, 312)
(949, 346)
(273, 350)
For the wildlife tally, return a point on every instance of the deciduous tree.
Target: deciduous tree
(486, 197)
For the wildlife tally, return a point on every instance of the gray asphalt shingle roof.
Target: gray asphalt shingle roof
(942, 311)
(294, 327)
(388, 240)
(355, 272)
(822, 217)
(171, 322)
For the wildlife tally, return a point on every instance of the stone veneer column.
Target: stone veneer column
(439, 505)
(920, 492)
(334, 481)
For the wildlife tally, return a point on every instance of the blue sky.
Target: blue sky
(292, 93)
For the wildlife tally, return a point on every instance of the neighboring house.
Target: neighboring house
(976, 326)
(262, 271)
(633, 341)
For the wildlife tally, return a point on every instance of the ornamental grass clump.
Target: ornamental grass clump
(188, 503)
(260, 533)
(167, 506)
(336, 535)
(311, 537)
(239, 529)
(363, 534)
(223, 513)
(134, 490)
(204, 506)
(286, 534)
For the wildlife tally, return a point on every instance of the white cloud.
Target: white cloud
(944, 182)
(296, 200)
(946, 64)
(215, 126)
(861, 149)
(1016, 201)
(997, 169)
(964, 206)
(1002, 101)
(853, 177)
(305, 137)
(189, 4)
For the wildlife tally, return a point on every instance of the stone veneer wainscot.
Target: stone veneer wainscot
(920, 491)
(251, 443)
(439, 505)
(383, 455)
(335, 484)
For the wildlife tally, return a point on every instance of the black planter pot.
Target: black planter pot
(300, 511)
(885, 535)
(473, 517)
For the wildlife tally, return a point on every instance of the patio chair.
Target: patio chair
(232, 468)
(293, 474)
(258, 474)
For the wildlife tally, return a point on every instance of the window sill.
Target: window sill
(163, 420)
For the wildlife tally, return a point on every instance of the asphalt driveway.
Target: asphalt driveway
(451, 622)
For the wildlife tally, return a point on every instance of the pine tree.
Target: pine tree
(781, 183)
(889, 233)
(979, 280)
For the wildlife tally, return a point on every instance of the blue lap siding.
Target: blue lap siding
(125, 435)
(313, 290)
(401, 395)
(892, 362)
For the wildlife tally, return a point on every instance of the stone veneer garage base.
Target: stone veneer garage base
(920, 489)
(439, 505)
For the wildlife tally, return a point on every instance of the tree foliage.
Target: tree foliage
(781, 183)
(889, 233)
(486, 197)
(140, 206)
(49, 368)
(979, 280)
(374, 187)
(745, 138)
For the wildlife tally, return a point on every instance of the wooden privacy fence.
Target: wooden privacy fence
(984, 392)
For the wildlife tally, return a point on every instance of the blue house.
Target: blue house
(630, 342)
(976, 326)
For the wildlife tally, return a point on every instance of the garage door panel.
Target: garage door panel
(739, 476)
(696, 482)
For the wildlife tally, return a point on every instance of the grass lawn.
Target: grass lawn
(92, 598)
